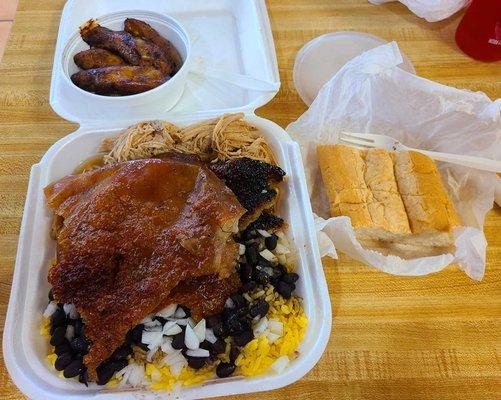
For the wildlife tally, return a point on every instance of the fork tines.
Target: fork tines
(363, 140)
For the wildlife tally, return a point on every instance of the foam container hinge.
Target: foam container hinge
(243, 25)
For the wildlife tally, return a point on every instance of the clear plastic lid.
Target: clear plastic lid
(319, 59)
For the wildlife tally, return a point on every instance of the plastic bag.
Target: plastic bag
(372, 94)
(430, 10)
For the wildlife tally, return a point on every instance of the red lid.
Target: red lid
(479, 32)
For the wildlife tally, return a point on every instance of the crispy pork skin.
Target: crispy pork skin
(131, 233)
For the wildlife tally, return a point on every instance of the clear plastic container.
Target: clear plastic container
(320, 59)
(251, 66)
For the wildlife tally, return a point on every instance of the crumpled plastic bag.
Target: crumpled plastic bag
(372, 94)
(431, 10)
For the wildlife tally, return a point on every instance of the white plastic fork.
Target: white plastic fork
(368, 140)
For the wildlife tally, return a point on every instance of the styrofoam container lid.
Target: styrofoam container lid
(320, 59)
(230, 62)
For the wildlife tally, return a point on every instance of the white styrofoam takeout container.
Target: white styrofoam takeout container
(242, 27)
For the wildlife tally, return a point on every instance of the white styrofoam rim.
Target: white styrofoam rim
(319, 308)
(112, 17)
(307, 46)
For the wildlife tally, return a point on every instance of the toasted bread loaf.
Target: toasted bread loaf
(396, 201)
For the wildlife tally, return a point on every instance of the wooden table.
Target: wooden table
(434, 337)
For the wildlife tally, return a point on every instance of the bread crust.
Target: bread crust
(390, 197)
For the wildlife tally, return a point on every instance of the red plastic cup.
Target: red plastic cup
(479, 32)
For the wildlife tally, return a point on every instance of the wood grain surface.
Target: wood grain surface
(433, 337)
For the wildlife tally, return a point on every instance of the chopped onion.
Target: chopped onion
(199, 330)
(70, 332)
(191, 322)
(260, 326)
(51, 309)
(167, 311)
(280, 249)
(209, 336)
(190, 339)
(150, 326)
(171, 328)
(177, 368)
(146, 319)
(229, 303)
(241, 249)
(166, 346)
(198, 353)
(172, 358)
(263, 233)
(268, 255)
(151, 352)
(272, 337)
(71, 311)
(182, 322)
(156, 375)
(151, 338)
(125, 373)
(276, 326)
(280, 364)
(137, 375)
(179, 313)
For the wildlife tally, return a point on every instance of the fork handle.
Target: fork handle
(484, 164)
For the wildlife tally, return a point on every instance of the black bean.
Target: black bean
(259, 308)
(239, 301)
(218, 346)
(206, 345)
(245, 272)
(218, 327)
(251, 254)
(58, 318)
(63, 347)
(63, 361)
(243, 338)
(234, 352)
(210, 320)
(271, 242)
(84, 376)
(51, 295)
(279, 270)
(284, 289)
(178, 341)
(160, 319)
(58, 336)
(122, 352)
(197, 362)
(290, 278)
(135, 335)
(73, 369)
(118, 365)
(248, 234)
(235, 324)
(187, 311)
(143, 346)
(248, 286)
(79, 327)
(262, 274)
(263, 262)
(104, 373)
(224, 370)
(79, 344)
